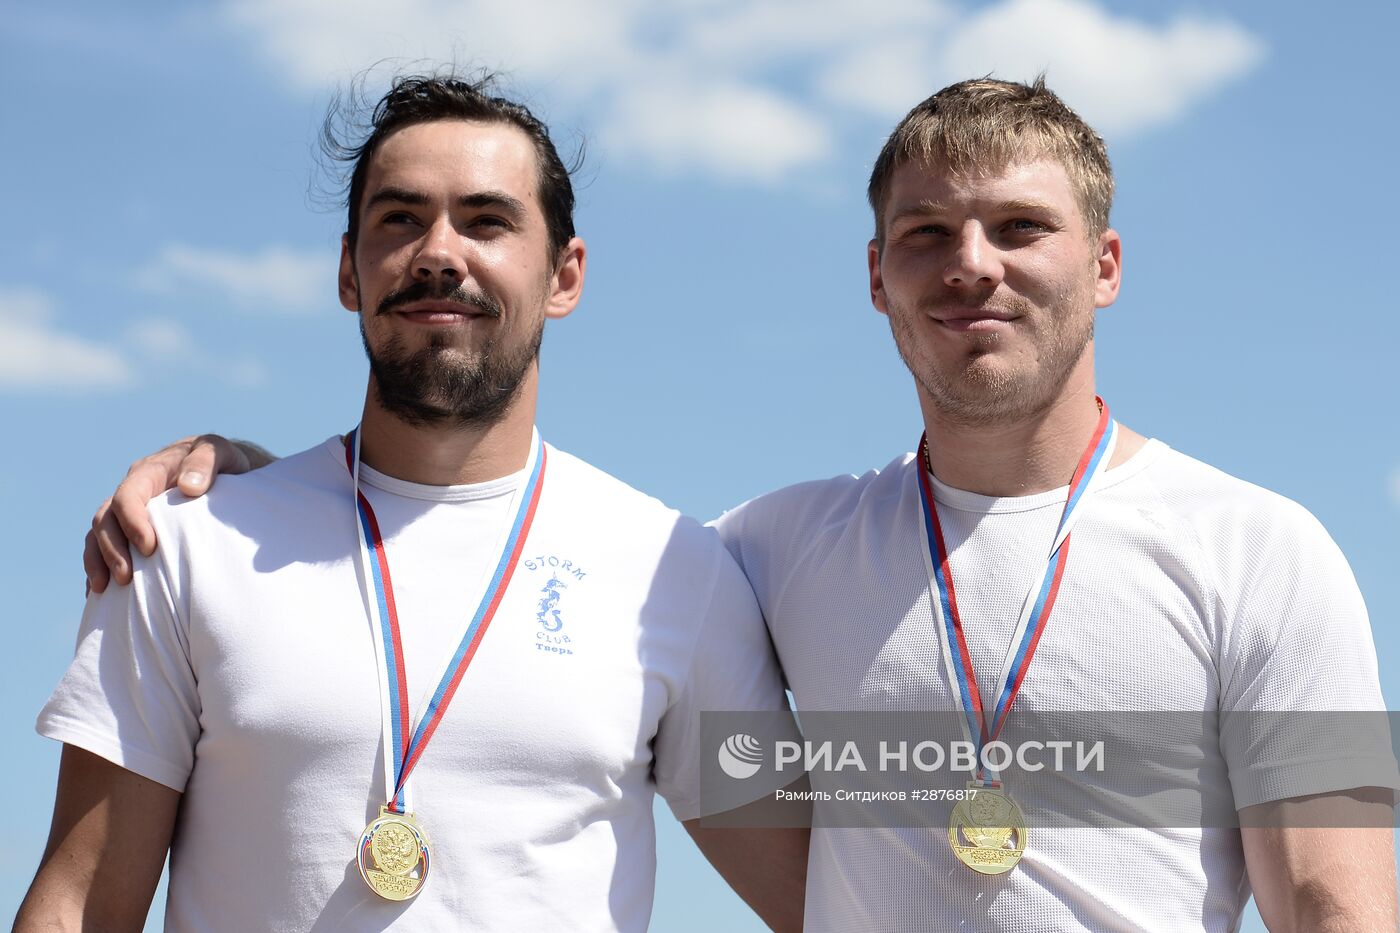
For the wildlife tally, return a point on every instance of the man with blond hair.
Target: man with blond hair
(927, 586)
(945, 582)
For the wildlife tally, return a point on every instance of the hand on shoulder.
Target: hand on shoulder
(123, 520)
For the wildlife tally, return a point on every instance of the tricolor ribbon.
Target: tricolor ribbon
(404, 743)
(1035, 609)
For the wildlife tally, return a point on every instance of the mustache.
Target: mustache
(477, 301)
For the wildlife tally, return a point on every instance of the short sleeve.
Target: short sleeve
(732, 668)
(1301, 704)
(130, 695)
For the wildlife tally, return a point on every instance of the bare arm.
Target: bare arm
(766, 867)
(121, 521)
(111, 830)
(1323, 864)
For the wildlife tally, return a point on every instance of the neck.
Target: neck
(1017, 456)
(449, 455)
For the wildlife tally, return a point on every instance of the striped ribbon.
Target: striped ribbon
(1035, 609)
(404, 743)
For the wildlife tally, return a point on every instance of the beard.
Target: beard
(439, 385)
(989, 383)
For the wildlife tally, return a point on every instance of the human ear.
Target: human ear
(566, 283)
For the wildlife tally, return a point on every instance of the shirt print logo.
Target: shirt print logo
(548, 616)
(551, 635)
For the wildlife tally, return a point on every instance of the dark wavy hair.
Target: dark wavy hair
(417, 99)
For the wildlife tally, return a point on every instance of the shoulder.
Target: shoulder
(622, 518)
(579, 477)
(309, 480)
(1291, 629)
(1271, 569)
(1225, 511)
(594, 492)
(806, 509)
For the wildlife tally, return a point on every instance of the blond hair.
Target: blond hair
(985, 125)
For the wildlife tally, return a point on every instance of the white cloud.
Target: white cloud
(161, 339)
(885, 77)
(316, 41)
(246, 373)
(603, 57)
(751, 89)
(1122, 75)
(703, 128)
(169, 345)
(274, 280)
(1395, 486)
(35, 354)
(736, 32)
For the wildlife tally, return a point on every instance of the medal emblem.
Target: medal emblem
(987, 831)
(393, 855)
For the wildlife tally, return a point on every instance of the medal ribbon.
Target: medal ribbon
(1039, 601)
(402, 748)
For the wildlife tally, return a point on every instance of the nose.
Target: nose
(975, 261)
(440, 253)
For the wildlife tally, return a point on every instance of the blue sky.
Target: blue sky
(166, 267)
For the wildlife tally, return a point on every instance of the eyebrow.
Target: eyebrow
(1030, 206)
(926, 208)
(395, 196)
(506, 203)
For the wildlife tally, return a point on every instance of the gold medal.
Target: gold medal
(987, 831)
(393, 855)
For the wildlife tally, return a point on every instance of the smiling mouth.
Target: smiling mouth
(439, 303)
(440, 312)
(977, 322)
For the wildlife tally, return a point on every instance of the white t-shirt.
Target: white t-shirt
(1186, 589)
(240, 669)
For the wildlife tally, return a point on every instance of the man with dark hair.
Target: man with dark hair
(1186, 590)
(563, 631)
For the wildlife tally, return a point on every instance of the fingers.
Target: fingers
(93, 565)
(113, 549)
(147, 478)
(123, 521)
(209, 456)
